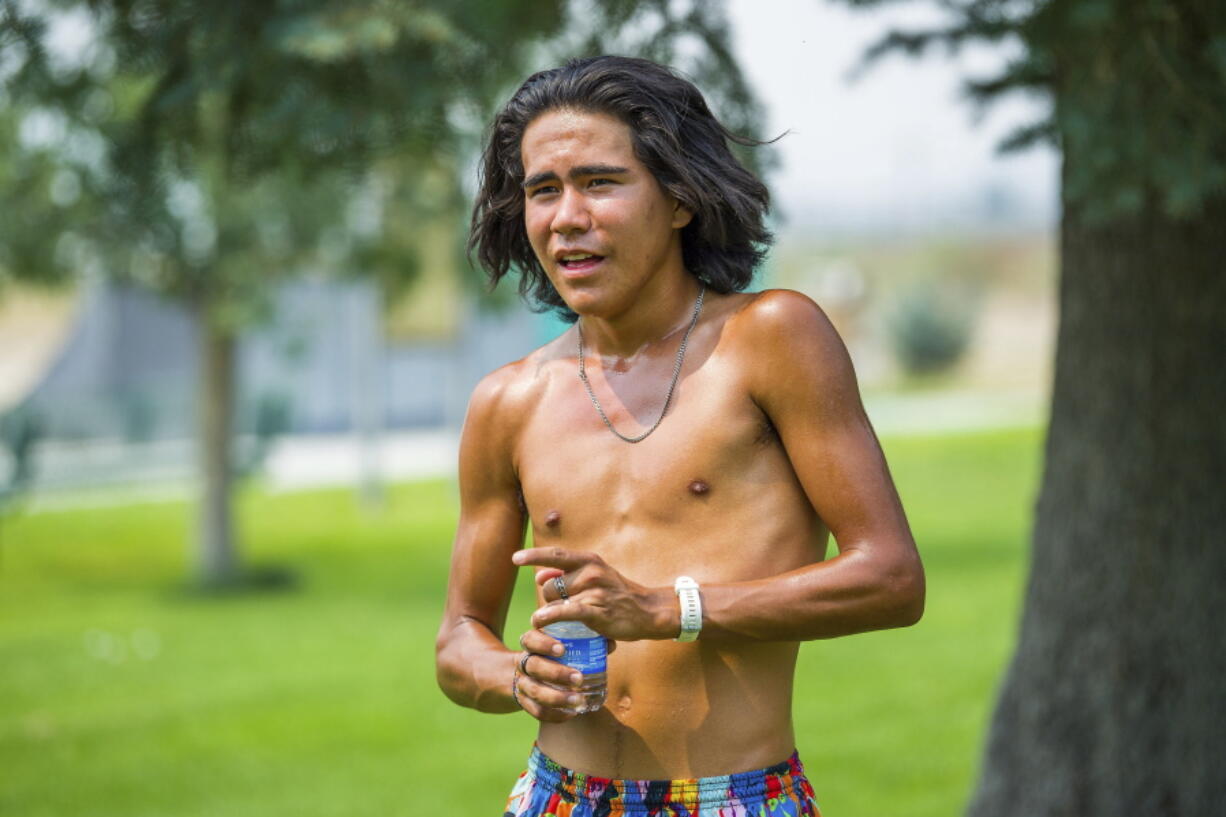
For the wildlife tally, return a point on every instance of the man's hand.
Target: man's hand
(547, 689)
(600, 597)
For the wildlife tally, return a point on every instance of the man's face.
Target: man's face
(598, 221)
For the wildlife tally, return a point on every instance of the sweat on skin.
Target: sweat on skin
(765, 452)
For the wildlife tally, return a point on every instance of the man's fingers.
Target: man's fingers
(541, 643)
(546, 573)
(548, 583)
(554, 673)
(536, 709)
(538, 665)
(560, 558)
(547, 696)
(559, 611)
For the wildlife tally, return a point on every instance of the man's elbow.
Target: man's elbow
(906, 590)
(447, 673)
(461, 676)
(449, 683)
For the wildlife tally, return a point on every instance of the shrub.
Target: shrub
(930, 327)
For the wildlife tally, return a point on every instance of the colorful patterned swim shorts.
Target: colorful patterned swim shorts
(547, 789)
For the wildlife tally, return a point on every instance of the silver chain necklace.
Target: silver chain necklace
(671, 386)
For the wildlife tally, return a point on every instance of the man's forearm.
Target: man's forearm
(848, 594)
(473, 666)
(873, 587)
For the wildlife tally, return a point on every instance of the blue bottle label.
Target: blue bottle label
(588, 655)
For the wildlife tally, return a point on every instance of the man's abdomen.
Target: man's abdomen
(684, 710)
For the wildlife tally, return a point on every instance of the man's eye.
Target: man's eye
(537, 191)
(596, 182)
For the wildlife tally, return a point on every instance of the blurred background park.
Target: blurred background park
(238, 332)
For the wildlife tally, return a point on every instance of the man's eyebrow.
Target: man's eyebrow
(538, 178)
(575, 172)
(597, 170)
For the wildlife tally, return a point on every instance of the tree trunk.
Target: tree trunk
(1115, 702)
(216, 554)
(367, 407)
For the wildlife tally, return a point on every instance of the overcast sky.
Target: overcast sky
(899, 148)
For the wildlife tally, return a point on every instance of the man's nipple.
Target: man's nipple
(699, 488)
(553, 519)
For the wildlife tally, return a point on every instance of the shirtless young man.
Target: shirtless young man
(610, 185)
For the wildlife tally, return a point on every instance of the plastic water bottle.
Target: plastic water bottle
(586, 652)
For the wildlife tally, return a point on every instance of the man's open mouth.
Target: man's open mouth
(579, 260)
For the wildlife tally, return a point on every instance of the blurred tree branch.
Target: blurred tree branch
(209, 152)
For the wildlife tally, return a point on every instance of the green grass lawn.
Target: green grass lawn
(122, 694)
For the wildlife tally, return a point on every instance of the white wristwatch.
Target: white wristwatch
(691, 608)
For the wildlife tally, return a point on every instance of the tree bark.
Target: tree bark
(216, 562)
(1115, 702)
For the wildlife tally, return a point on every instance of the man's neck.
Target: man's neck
(657, 314)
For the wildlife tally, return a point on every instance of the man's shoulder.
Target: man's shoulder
(774, 316)
(517, 384)
(780, 339)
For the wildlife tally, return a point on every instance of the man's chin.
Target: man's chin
(585, 297)
(593, 301)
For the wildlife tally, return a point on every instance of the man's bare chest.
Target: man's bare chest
(713, 450)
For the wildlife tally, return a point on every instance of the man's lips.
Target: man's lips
(578, 263)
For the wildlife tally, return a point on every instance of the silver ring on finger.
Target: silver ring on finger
(559, 584)
(523, 663)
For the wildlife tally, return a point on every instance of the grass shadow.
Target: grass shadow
(250, 582)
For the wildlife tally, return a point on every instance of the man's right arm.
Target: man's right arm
(473, 666)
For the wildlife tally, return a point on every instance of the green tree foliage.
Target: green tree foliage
(1137, 88)
(206, 151)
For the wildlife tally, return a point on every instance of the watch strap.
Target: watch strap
(691, 608)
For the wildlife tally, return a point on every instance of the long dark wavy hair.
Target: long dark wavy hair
(675, 136)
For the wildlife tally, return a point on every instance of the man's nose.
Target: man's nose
(572, 215)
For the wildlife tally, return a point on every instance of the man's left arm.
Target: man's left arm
(800, 375)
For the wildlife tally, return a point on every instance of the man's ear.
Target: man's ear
(682, 215)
